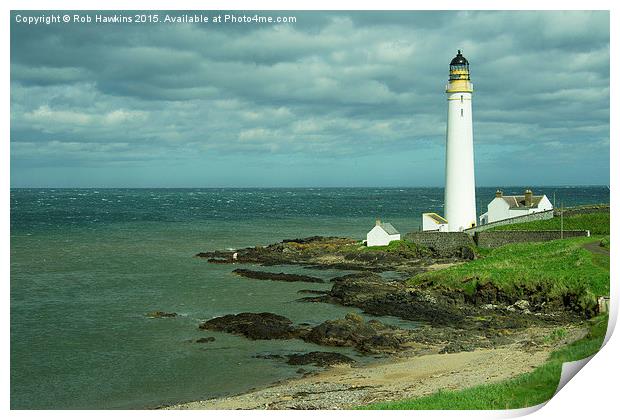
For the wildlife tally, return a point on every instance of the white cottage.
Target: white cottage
(432, 222)
(508, 206)
(382, 234)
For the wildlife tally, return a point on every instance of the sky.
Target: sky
(333, 99)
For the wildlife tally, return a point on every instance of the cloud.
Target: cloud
(332, 87)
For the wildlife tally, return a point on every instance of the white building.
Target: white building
(460, 193)
(382, 234)
(508, 206)
(432, 222)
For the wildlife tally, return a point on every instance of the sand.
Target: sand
(342, 387)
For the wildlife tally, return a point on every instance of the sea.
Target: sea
(88, 264)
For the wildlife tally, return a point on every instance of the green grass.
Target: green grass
(605, 243)
(522, 391)
(555, 267)
(556, 335)
(596, 223)
(403, 248)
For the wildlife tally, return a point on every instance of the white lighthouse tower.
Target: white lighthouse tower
(460, 193)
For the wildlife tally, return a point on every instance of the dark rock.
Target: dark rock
(468, 253)
(311, 292)
(161, 314)
(353, 317)
(269, 356)
(256, 326)
(265, 275)
(378, 296)
(353, 289)
(367, 337)
(376, 257)
(217, 257)
(219, 261)
(485, 293)
(205, 340)
(319, 358)
(314, 240)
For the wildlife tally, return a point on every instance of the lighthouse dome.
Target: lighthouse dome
(459, 67)
(459, 60)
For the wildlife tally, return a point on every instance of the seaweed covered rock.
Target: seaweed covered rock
(319, 358)
(377, 296)
(352, 289)
(256, 326)
(367, 337)
(266, 275)
(161, 314)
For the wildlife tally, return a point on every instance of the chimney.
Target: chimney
(528, 198)
(378, 222)
(499, 193)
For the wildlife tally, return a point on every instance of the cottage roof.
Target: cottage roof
(517, 202)
(436, 218)
(388, 228)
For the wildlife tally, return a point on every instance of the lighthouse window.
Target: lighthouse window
(461, 98)
(461, 112)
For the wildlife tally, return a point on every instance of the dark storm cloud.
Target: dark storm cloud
(331, 86)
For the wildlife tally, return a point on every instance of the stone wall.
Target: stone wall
(543, 215)
(572, 211)
(448, 242)
(441, 241)
(493, 239)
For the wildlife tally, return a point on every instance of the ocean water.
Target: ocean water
(87, 264)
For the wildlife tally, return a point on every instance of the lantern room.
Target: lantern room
(459, 67)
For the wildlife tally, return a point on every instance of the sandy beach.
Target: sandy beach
(402, 377)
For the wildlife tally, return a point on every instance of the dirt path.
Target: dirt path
(595, 248)
(344, 387)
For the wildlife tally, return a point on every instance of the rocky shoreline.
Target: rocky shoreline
(352, 331)
(450, 322)
(346, 385)
(339, 253)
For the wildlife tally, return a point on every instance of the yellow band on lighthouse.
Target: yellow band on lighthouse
(459, 86)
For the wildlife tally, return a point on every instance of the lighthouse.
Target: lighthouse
(460, 193)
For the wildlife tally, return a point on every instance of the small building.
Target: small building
(382, 234)
(432, 222)
(509, 206)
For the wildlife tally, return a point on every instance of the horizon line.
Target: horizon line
(304, 187)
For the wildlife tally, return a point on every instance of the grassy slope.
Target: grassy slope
(605, 243)
(560, 266)
(522, 391)
(403, 247)
(596, 223)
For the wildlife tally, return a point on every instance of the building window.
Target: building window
(461, 112)
(461, 98)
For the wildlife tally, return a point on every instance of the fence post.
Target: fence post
(562, 222)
